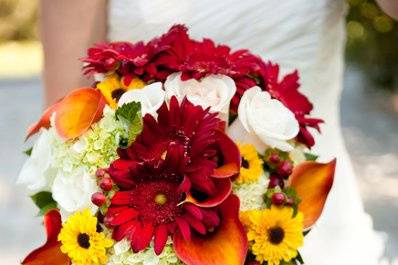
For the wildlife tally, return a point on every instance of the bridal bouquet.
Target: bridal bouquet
(182, 152)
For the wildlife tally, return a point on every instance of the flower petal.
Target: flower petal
(227, 245)
(160, 238)
(312, 182)
(78, 111)
(231, 157)
(223, 188)
(50, 253)
(44, 121)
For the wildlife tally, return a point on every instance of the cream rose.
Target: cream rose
(263, 121)
(214, 91)
(151, 98)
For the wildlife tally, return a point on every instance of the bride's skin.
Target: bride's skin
(68, 28)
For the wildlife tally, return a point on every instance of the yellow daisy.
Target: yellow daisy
(81, 241)
(252, 165)
(274, 234)
(112, 87)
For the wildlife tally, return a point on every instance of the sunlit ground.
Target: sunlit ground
(20, 59)
(370, 127)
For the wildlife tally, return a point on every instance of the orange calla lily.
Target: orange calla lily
(227, 245)
(78, 111)
(224, 188)
(230, 155)
(50, 252)
(312, 182)
(74, 114)
(44, 121)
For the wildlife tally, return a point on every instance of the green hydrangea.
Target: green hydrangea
(95, 149)
(121, 254)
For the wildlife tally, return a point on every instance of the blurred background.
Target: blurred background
(369, 114)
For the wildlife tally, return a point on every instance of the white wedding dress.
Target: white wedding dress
(298, 34)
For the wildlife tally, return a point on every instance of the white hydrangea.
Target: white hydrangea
(121, 254)
(251, 194)
(95, 149)
(297, 155)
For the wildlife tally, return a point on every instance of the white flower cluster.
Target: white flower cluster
(121, 254)
(251, 194)
(68, 168)
(94, 149)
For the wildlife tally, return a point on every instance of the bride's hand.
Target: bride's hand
(67, 29)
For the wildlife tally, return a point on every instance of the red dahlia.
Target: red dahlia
(173, 177)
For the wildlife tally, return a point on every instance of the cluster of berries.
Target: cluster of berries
(105, 183)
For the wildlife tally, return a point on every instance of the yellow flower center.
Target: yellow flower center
(83, 240)
(117, 93)
(160, 199)
(245, 163)
(276, 235)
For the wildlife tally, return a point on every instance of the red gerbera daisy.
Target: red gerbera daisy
(173, 177)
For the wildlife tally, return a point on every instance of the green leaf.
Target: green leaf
(130, 115)
(299, 258)
(44, 201)
(28, 151)
(310, 157)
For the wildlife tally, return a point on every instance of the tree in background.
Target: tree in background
(18, 20)
(372, 42)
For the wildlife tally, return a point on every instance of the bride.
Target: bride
(297, 34)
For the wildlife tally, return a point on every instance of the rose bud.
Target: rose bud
(106, 184)
(273, 181)
(278, 198)
(274, 158)
(100, 173)
(285, 169)
(98, 198)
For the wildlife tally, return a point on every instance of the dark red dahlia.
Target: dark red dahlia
(173, 177)
(138, 59)
(175, 51)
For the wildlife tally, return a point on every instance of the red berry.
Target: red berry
(100, 173)
(281, 183)
(98, 198)
(273, 181)
(285, 168)
(106, 184)
(274, 158)
(278, 198)
(110, 64)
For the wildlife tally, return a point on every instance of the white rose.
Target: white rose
(214, 91)
(151, 98)
(72, 191)
(37, 172)
(263, 121)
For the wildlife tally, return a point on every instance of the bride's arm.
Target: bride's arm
(390, 7)
(67, 29)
